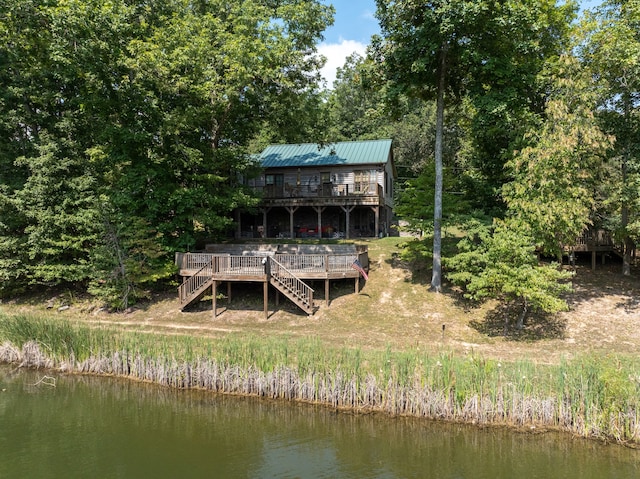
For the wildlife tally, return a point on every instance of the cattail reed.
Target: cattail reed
(591, 397)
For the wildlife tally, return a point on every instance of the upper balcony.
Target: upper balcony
(322, 194)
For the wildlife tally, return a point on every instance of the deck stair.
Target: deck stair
(196, 285)
(291, 286)
(276, 273)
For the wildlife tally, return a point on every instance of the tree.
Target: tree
(355, 108)
(126, 259)
(48, 188)
(447, 49)
(144, 106)
(555, 179)
(421, 54)
(611, 51)
(205, 79)
(499, 261)
(507, 88)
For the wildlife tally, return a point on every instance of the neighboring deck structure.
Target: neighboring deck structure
(284, 266)
(594, 242)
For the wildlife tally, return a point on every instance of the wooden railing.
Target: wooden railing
(238, 265)
(193, 261)
(595, 237)
(252, 265)
(313, 190)
(296, 262)
(208, 265)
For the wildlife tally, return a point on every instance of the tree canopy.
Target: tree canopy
(124, 119)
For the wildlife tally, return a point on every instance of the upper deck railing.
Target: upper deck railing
(189, 263)
(288, 190)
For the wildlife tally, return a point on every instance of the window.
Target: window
(277, 180)
(361, 181)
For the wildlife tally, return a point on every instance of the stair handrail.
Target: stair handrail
(195, 281)
(291, 282)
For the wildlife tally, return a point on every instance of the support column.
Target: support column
(238, 224)
(347, 210)
(214, 291)
(266, 300)
(376, 213)
(228, 292)
(291, 210)
(326, 292)
(593, 260)
(319, 210)
(264, 221)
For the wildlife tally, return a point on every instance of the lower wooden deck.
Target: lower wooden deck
(253, 266)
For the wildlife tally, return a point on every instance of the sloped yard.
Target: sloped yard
(394, 309)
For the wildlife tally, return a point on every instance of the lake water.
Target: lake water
(57, 426)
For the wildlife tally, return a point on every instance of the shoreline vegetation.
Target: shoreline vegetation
(588, 396)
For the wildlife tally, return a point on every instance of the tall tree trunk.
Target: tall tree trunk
(436, 277)
(627, 245)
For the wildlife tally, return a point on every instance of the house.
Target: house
(340, 190)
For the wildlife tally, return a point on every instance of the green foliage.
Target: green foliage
(610, 50)
(555, 179)
(498, 261)
(416, 199)
(127, 259)
(149, 106)
(355, 108)
(506, 89)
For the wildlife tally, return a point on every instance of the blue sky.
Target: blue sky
(353, 27)
(351, 31)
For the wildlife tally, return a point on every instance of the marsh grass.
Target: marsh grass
(590, 396)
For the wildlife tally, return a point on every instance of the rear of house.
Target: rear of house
(341, 190)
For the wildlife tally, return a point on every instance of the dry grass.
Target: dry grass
(394, 309)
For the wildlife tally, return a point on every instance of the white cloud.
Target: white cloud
(336, 54)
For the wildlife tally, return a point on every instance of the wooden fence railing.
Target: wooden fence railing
(252, 265)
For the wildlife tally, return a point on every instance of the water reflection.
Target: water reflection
(107, 428)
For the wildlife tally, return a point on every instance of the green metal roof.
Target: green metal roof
(342, 153)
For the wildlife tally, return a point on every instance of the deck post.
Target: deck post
(229, 292)
(238, 224)
(376, 213)
(326, 291)
(266, 300)
(593, 260)
(347, 210)
(291, 210)
(214, 291)
(265, 211)
(358, 283)
(319, 210)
